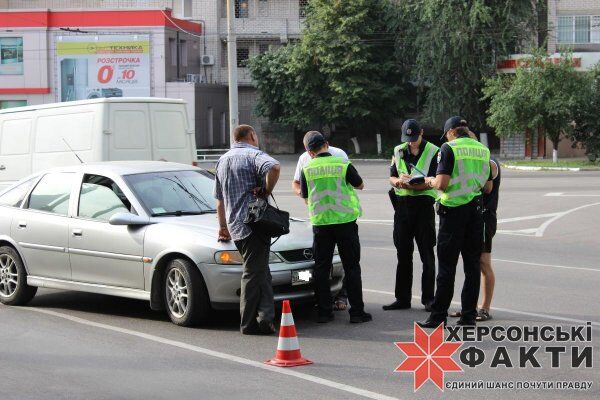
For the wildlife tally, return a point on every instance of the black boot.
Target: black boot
(396, 305)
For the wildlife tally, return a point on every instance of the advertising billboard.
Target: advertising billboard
(11, 56)
(93, 66)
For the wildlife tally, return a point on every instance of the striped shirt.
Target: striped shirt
(239, 171)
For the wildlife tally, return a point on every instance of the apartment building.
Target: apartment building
(573, 25)
(260, 25)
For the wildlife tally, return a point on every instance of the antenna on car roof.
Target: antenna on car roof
(73, 151)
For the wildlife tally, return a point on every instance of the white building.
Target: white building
(260, 25)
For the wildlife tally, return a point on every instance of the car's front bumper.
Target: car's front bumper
(224, 282)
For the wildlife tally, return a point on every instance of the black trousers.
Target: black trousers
(414, 221)
(460, 232)
(256, 297)
(346, 238)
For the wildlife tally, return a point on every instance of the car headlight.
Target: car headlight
(232, 257)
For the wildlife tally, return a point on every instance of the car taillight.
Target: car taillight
(195, 163)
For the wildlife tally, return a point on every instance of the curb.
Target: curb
(530, 168)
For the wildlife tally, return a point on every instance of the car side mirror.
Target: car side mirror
(128, 219)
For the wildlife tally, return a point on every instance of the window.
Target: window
(210, 120)
(11, 56)
(223, 128)
(302, 4)
(242, 8)
(4, 104)
(243, 55)
(174, 193)
(15, 196)
(595, 31)
(263, 48)
(579, 29)
(52, 193)
(582, 29)
(183, 53)
(101, 198)
(173, 51)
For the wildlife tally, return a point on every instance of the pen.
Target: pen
(416, 169)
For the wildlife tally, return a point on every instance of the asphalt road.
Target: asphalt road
(82, 346)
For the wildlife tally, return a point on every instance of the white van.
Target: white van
(37, 137)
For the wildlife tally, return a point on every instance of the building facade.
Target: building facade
(188, 51)
(573, 25)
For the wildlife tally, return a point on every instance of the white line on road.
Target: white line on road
(542, 228)
(546, 265)
(508, 310)
(560, 194)
(508, 261)
(218, 354)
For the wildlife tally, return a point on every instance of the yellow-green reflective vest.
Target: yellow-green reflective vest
(470, 173)
(331, 200)
(423, 165)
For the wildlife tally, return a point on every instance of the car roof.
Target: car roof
(93, 101)
(124, 167)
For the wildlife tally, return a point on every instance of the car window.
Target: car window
(174, 193)
(52, 193)
(100, 198)
(15, 196)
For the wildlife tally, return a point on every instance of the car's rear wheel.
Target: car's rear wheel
(14, 290)
(186, 296)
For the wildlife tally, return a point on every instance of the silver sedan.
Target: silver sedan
(144, 230)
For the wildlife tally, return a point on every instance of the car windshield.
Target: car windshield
(174, 193)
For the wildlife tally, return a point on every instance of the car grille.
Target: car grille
(300, 255)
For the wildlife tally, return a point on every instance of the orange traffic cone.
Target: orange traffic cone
(288, 349)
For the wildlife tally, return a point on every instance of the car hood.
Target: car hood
(300, 236)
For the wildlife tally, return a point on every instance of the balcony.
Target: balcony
(257, 28)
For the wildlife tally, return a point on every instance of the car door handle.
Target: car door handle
(77, 232)
(2, 167)
(22, 224)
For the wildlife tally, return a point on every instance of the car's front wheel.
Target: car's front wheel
(14, 290)
(186, 296)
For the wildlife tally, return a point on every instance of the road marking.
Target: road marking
(508, 261)
(508, 310)
(528, 217)
(546, 265)
(542, 228)
(561, 194)
(217, 354)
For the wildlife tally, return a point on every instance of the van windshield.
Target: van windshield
(174, 193)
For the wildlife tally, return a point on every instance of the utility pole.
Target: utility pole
(232, 69)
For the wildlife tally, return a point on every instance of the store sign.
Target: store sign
(11, 56)
(103, 66)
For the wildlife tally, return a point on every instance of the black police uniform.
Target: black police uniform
(345, 236)
(460, 233)
(414, 221)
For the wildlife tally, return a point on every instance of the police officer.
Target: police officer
(463, 172)
(414, 217)
(327, 184)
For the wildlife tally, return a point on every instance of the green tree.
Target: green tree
(450, 46)
(587, 122)
(542, 95)
(342, 71)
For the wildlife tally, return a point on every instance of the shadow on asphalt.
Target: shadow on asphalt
(384, 326)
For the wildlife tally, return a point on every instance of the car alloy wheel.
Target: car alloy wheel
(9, 275)
(177, 293)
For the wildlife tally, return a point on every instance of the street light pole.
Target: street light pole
(232, 69)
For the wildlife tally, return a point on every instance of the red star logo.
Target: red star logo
(429, 357)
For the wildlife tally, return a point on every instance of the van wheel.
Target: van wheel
(14, 290)
(186, 296)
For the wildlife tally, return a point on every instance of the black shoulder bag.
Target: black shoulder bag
(263, 218)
